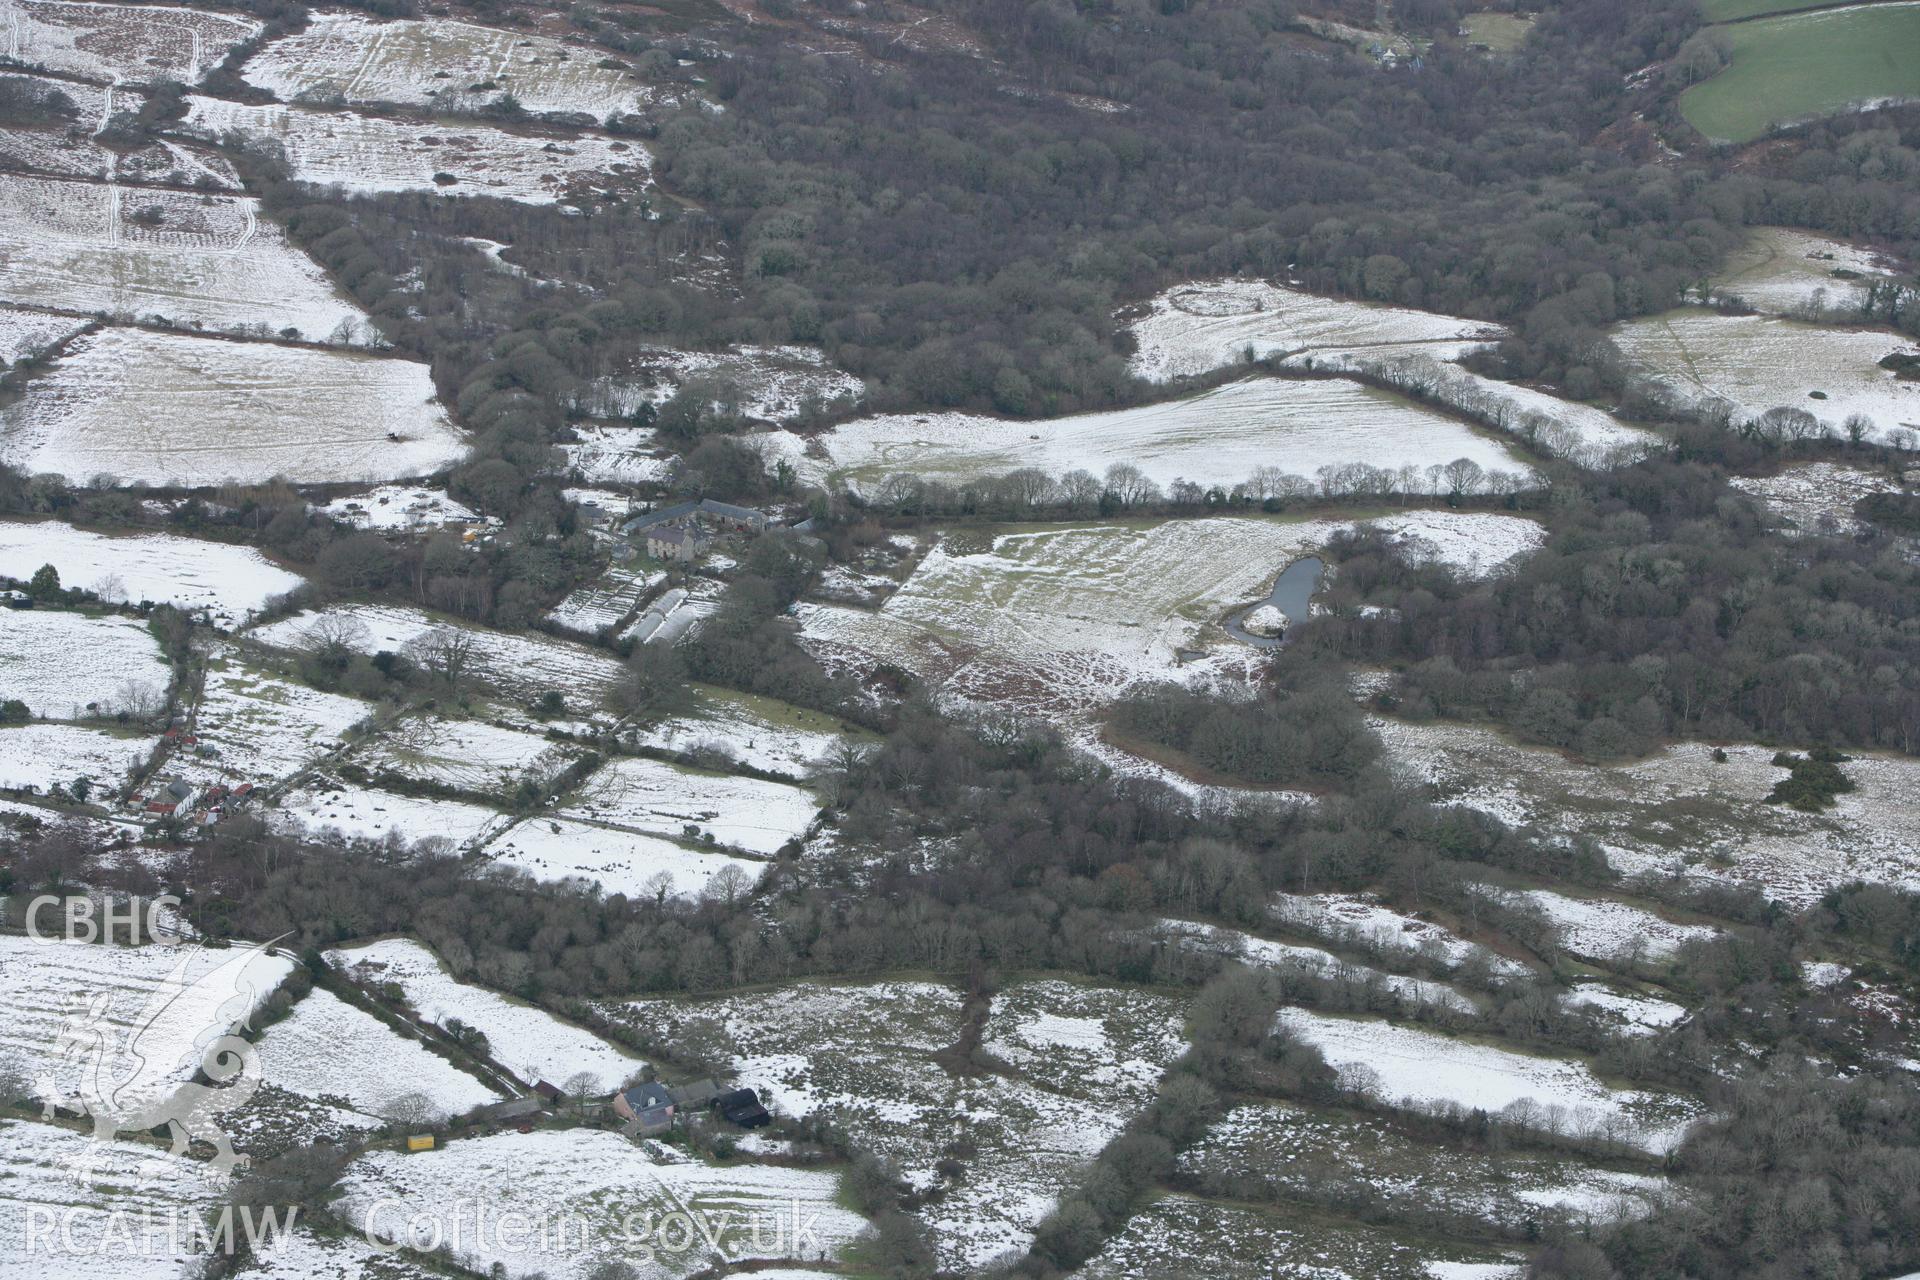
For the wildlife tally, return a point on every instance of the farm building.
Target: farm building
(720, 515)
(647, 1109)
(670, 542)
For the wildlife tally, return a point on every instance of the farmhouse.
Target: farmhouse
(669, 542)
(647, 1109)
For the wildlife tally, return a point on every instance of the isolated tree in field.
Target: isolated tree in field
(729, 885)
(582, 1086)
(336, 637)
(111, 589)
(408, 1109)
(45, 583)
(445, 652)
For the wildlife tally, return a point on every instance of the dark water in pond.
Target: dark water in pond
(1291, 592)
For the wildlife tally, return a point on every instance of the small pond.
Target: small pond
(1291, 592)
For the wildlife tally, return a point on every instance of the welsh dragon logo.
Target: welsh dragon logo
(133, 1075)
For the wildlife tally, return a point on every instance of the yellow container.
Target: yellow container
(420, 1142)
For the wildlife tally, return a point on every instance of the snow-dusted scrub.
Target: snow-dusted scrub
(530, 1042)
(654, 797)
(1194, 328)
(124, 1183)
(1321, 1154)
(26, 333)
(1063, 619)
(41, 756)
(862, 1057)
(600, 1198)
(616, 455)
(519, 666)
(1742, 366)
(227, 582)
(1566, 429)
(1631, 1013)
(73, 150)
(398, 506)
(324, 807)
(167, 409)
(1185, 1235)
(441, 64)
(1816, 497)
(757, 732)
(1680, 812)
(302, 1254)
(1786, 272)
(162, 1003)
(1217, 438)
(1266, 953)
(1362, 922)
(768, 384)
(59, 664)
(1422, 1070)
(328, 1049)
(115, 42)
(211, 261)
(606, 602)
(365, 154)
(465, 754)
(618, 861)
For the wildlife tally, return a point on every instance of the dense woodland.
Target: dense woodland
(963, 238)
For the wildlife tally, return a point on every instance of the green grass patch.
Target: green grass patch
(1500, 32)
(1805, 66)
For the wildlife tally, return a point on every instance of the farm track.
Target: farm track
(1805, 9)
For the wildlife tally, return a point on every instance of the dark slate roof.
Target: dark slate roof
(646, 1097)
(732, 512)
(661, 516)
(673, 537)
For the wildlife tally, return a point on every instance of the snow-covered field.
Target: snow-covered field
(616, 455)
(596, 1197)
(467, 754)
(226, 581)
(619, 861)
(1193, 328)
(369, 154)
(362, 813)
(1680, 811)
(24, 332)
(303, 1254)
(1063, 618)
(1609, 931)
(398, 506)
(1185, 1235)
(164, 1002)
(1411, 1067)
(125, 1184)
(168, 409)
(1781, 271)
(208, 260)
(529, 1041)
(757, 732)
(768, 384)
(60, 663)
(1817, 496)
(1757, 363)
(861, 1057)
(657, 798)
(43, 755)
(1631, 1012)
(1312, 1151)
(1216, 438)
(606, 602)
(441, 64)
(519, 665)
(259, 726)
(328, 1049)
(116, 42)
(1266, 953)
(1358, 920)
(1563, 428)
